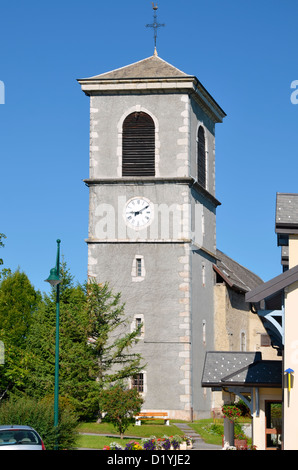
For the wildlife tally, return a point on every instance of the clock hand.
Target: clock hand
(141, 210)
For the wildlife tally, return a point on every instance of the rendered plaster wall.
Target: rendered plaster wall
(171, 208)
(259, 421)
(291, 353)
(162, 301)
(202, 305)
(199, 118)
(170, 114)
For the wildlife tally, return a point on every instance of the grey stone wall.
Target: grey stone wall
(174, 295)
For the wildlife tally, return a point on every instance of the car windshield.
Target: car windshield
(19, 437)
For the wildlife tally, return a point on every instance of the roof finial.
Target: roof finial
(155, 25)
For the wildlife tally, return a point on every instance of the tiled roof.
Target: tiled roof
(286, 210)
(152, 67)
(226, 368)
(235, 275)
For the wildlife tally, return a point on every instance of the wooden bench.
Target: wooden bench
(152, 415)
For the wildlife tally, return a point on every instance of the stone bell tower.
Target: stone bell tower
(152, 220)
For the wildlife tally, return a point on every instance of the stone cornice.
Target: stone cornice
(154, 180)
(188, 84)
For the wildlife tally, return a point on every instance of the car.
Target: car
(17, 437)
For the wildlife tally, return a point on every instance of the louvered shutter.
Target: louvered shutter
(201, 158)
(138, 145)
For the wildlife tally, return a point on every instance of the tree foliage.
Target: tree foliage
(39, 415)
(95, 347)
(1, 244)
(120, 406)
(77, 368)
(18, 302)
(112, 343)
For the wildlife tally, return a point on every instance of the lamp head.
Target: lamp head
(53, 278)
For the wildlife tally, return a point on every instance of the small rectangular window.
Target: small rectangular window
(265, 340)
(138, 324)
(138, 382)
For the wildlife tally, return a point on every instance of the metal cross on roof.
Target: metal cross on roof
(155, 25)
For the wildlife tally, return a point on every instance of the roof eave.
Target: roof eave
(273, 286)
(188, 84)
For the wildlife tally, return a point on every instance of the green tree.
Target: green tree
(95, 348)
(77, 367)
(18, 302)
(1, 244)
(112, 343)
(120, 406)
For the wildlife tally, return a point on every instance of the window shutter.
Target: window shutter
(201, 157)
(138, 145)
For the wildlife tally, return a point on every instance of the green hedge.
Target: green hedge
(40, 415)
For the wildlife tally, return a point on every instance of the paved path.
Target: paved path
(198, 443)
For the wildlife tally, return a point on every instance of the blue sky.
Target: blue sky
(244, 53)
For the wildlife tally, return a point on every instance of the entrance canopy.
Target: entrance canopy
(225, 369)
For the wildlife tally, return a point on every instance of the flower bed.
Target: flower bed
(153, 443)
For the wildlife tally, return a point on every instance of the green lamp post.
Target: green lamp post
(54, 279)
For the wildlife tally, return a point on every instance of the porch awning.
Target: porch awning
(245, 369)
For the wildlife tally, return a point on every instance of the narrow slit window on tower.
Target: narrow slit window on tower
(139, 267)
(138, 145)
(138, 271)
(201, 157)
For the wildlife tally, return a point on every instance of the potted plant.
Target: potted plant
(240, 441)
(231, 412)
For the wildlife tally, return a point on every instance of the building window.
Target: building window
(138, 269)
(138, 382)
(138, 324)
(265, 340)
(201, 157)
(138, 145)
(242, 341)
(138, 321)
(204, 332)
(203, 275)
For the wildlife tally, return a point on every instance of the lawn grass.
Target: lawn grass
(98, 442)
(209, 430)
(147, 429)
(204, 429)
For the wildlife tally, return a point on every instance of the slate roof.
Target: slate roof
(245, 369)
(286, 210)
(152, 73)
(235, 275)
(152, 67)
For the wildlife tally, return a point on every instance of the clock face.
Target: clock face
(138, 212)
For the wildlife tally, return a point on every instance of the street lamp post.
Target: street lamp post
(54, 280)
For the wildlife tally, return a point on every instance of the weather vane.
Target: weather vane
(155, 25)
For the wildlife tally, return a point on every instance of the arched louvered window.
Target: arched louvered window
(201, 157)
(138, 145)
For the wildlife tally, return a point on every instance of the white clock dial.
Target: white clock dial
(138, 212)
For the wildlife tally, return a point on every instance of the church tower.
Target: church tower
(152, 220)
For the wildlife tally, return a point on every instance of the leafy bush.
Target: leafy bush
(121, 406)
(40, 415)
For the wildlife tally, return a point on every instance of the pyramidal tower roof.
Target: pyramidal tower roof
(152, 67)
(152, 75)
